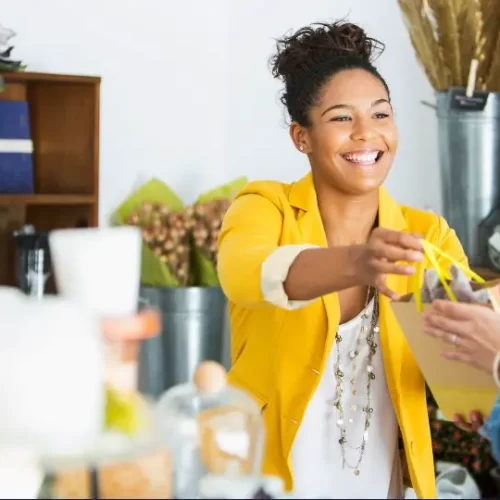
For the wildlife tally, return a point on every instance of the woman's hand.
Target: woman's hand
(380, 257)
(473, 331)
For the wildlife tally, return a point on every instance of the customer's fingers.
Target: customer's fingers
(459, 421)
(459, 355)
(435, 322)
(476, 419)
(454, 310)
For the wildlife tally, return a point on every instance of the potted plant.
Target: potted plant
(179, 277)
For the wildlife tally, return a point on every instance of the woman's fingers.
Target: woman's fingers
(394, 253)
(384, 267)
(399, 239)
(385, 290)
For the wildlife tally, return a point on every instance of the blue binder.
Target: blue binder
(16, 148)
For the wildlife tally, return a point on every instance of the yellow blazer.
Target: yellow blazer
(279, 355)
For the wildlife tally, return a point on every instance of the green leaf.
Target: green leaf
(205, 270)
(154, 191)
(226, 192)
(153, 271)
(206, 273)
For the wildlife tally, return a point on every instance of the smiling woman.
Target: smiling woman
(340, 107)
(309, 269)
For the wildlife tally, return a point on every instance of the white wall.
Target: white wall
(187, 95)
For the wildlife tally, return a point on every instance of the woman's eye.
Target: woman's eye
(381, 116)
(340, 118)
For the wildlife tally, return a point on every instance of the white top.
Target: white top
(316, 453)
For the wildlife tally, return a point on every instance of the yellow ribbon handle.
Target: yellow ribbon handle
(431, 252)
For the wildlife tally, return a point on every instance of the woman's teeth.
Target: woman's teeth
(364, 158)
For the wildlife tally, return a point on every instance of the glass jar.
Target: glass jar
(212, 429)
(129, 461)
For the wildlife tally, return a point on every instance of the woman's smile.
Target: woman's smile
(366, 157)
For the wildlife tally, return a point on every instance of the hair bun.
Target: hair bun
(321, 42)
(351, 39)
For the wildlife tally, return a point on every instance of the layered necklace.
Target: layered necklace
(367, 333)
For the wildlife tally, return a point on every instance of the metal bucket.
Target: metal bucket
(469, 152)
(194, 329)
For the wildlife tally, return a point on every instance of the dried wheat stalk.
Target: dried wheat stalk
(422, 38)
(445, 20)
(491, 25)
(448, 34)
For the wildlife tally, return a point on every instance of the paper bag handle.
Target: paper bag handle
(431, 252)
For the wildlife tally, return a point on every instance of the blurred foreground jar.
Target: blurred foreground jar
(136, 465)
(214, 431)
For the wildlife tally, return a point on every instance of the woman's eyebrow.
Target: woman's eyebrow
(348, 106)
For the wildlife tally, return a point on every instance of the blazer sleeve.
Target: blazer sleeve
(250, 233)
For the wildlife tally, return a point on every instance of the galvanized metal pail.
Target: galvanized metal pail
(469, 152)
(194, 329)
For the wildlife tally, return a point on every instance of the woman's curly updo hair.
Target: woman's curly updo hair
(308, 58)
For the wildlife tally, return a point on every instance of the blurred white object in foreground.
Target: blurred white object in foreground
(51, 397)
(52, 355)
(99, 268)
(20, 475)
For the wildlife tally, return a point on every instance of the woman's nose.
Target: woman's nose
(362, 130)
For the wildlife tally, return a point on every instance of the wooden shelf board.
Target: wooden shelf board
(47, 199)
(25, 76)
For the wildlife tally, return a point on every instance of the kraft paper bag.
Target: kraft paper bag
(457, 388)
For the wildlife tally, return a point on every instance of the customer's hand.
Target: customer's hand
(473, 331)
(474, 423)
(388, 252)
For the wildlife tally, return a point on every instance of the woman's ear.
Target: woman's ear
(300, 138)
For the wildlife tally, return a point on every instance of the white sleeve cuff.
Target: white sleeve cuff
(496, 367)
(274, 272)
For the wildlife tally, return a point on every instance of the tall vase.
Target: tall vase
(469, 153)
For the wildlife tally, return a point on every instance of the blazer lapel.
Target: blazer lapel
(303, 198)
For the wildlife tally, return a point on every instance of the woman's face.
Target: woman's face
(352, 137)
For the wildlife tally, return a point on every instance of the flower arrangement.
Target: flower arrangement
(180, 242)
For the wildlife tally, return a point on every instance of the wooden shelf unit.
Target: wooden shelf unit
(64, 117)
